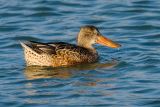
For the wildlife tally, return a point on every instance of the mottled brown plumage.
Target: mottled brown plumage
(65, 54)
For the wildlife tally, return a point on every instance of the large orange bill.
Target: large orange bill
(107, 42)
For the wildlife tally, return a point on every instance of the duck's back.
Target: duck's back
(56, 54)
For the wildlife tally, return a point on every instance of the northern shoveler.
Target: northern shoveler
(65, 54)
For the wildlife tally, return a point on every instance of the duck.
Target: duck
(56, 54)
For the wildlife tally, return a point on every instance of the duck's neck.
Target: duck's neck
(87, 46)
(85, 42)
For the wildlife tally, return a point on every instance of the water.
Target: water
(125, 77)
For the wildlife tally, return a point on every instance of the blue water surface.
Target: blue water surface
(124, 77)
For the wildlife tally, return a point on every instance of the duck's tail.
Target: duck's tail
(25, 44)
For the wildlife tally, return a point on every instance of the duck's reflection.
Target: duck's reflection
(35, 72)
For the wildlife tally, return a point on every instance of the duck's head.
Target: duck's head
(90, 35)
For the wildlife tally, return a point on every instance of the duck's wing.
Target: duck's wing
(53, 48)
(38, 47)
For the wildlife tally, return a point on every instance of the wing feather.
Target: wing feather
(53, 48)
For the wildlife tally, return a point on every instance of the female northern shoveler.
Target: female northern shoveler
(65, 54)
